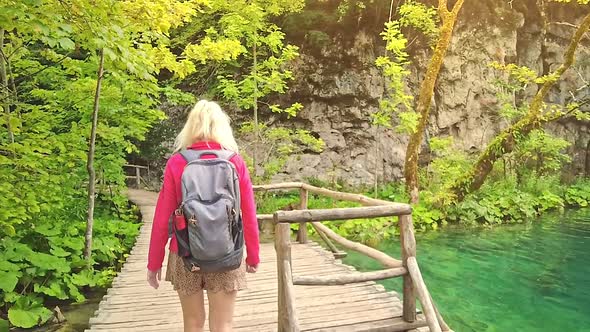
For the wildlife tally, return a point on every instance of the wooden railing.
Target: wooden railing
(137, 175)
(407, 267)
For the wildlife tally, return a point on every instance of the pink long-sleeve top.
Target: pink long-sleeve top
(171, 196)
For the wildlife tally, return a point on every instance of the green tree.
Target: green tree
(538, 114)
(423, 102)
(253, 76)
(413, 117)
(51, 52)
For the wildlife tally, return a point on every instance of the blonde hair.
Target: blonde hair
(206, 122)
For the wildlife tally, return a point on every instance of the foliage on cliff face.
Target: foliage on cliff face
(413, 117)
(530, 124)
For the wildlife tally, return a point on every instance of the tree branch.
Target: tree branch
(443, 9)
(14, 52)
(569, 56)
(559, 115)
(457, 7)
(23, 78)
(567, 24)
(4, 81)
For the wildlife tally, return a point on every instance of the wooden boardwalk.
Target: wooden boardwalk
(131, 305)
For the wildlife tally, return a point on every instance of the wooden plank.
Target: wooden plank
(245, 311)
(308, 268)
(266, 305)
(301, 292)
(363, 301)
(385, 325)
(296, 216)
(344, 279)
(305, 303)
(313, 319)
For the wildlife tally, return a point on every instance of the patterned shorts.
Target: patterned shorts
(188, 283)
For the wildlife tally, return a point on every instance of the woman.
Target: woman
(207, 128)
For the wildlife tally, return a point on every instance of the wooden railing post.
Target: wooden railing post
(408, 244)
(138, 177)
(302, 233)
(287, 316)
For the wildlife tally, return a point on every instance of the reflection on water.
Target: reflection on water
(527, 277)
(77, 315)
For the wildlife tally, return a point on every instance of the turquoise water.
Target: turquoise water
(527, 277)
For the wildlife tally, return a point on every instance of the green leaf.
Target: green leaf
(11, 297)
(84, 278)
(59, 252)
(48, 262)
(48, 229)
(27, 315)
(3, 325)
(9, 230)
(15, 122)
(73, 290)
(67, 44)
(33, 3)
(8, 280)
(17, 252)
(8, 266)
(55, 289)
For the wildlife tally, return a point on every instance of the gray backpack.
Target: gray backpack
(212, 239)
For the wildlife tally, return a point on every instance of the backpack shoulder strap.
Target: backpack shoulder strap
(191, 155)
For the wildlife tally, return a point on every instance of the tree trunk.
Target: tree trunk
(90, 164)
(256, 128)
(377, 164)
(587, 161)
(378, 161)
(505, 142)
(5, 90)
(449, 18)
(546, 67)
(13, 86)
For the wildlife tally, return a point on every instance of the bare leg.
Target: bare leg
(193, 312)
(221, 310)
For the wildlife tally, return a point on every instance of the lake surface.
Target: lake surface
(525, 277)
